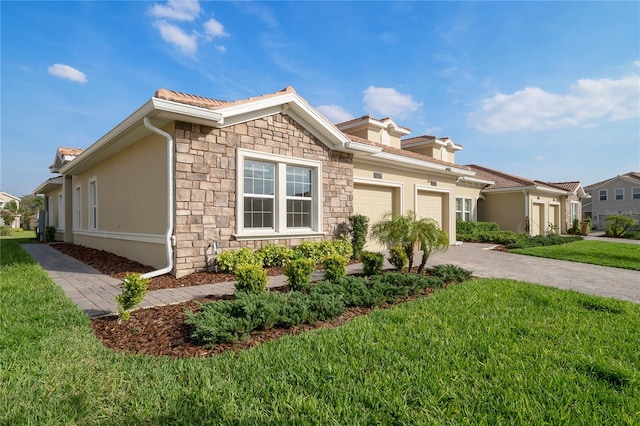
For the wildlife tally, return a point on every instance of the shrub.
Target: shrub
(371, 263)
(359, 225)
(543, 240)
(50, 233)
(451, 273)
(575, 227)
(319, 250)
(398, 258)
(340, 246)
(275, 255)
(251, 278)
(229, 260)
(617, 226)
(134, 288)
(299, 272)
(334, 267)
(412, 282)
(309, 250)
(5, 231)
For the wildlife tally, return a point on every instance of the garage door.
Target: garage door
(554, 217)
(373, 202)
(537, 219)
(431, 205)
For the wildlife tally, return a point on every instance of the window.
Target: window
(60, 212)
(463, 209)
(619, 193)
(259, 194)
(603, 195)
(280, 195)
(93, 204)
(635, 193)
(574, 210)
(77, 204)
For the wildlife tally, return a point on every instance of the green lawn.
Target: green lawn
(605, 253)
(483, 352)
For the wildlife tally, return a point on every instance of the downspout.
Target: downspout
(169, 239)
(526, 212)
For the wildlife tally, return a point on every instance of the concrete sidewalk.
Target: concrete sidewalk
(94, 293)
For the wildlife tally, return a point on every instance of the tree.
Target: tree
(618, 225)
(9, 213)
(410, 232)
(29, 205)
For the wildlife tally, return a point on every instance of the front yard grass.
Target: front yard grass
(488, 351)
(604, 253)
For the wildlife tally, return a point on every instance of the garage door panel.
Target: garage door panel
(431, 205)
(373, 202)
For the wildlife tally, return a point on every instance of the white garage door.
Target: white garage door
(537, 219)
(373, 202)
(431, 205)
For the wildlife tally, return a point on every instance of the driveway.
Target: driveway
(591, 279)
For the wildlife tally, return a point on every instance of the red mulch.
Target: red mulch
(161, 330)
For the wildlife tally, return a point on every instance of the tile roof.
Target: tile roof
(567, 186)
(209, 103)
(505, 181)
(427, 139)
(405, 153)
(630, 175)
(69, 151)
(369, 117)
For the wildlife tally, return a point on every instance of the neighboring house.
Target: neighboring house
(184, 173)
(4, 199)
(523, 205)
(55, 204)
(619, 195)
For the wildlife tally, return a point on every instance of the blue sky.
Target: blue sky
(548, 91)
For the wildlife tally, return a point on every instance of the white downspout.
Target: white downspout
(526, 209)
(170, 201)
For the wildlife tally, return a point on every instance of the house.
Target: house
(619, 195)
(6, 198)
(185, 173)
(531, 206)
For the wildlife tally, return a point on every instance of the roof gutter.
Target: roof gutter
(169, 238)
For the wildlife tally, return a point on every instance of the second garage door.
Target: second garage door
(431, 205)
(373, 202)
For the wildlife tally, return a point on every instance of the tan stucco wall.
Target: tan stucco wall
(132, 202)
(600, 210)
(507, 209)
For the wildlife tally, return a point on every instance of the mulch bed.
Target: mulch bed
(161, 330)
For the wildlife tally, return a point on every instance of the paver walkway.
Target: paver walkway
(94, 292)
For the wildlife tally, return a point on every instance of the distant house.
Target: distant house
(619, 195)
(4, 199)
(531, 206)
(183, 172)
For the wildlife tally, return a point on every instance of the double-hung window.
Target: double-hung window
(77, 207)
(280, 195)
(635, 193)
(93, 204)
(463, 209)
(602, 194)
(619, 194)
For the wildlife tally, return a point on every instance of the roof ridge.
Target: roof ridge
(211, 103)
(503, 174)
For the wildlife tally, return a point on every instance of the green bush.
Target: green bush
(371, 263)
(398, 258)
(412, 282)
(319, 250)
(134, 288)
(5, 231)
(466, 228)
(544, 240)
(617, 226)
(359, 226)
(575, 227)
(50, 233)
(275, 255)
(334, 267)
(299, 272)
(229, 260)
(251, 278)
(451, 273)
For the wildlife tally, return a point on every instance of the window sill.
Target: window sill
(278, 235)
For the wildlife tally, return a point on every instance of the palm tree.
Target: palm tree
(408, 232)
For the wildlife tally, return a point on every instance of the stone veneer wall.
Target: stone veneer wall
(206, 182)
(568, 222)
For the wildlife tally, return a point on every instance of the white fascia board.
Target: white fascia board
(178, 110)
(363, 147)
(476, 180)
(47, 185)
(422, 164)
(512, 189)
(552, 190)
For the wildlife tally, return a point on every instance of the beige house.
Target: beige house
(523, 205)
(184, 173)
(5, 198)
(619, 195)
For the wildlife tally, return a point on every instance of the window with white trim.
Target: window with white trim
(635, 193)
(463, 209)
(77, 207)
(280, 195)
(93, 204)
(61, 212)
(602, 194)
(619, 194)
(574, 210)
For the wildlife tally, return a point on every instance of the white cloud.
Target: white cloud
(177, 37)
(176, 10)
(68, 73)
(213, 29)
(334, 113)
(387, 102)
(220, 48)
(586, 103)
(539, 158)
